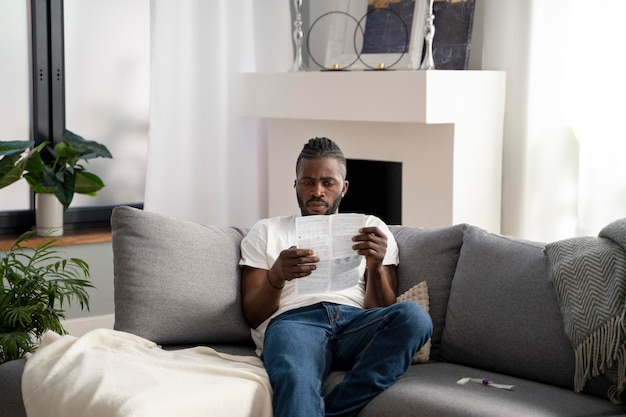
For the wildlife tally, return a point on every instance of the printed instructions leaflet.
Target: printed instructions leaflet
(330, 237)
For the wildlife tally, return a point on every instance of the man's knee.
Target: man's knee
(414, 319)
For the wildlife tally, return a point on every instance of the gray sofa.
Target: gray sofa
(493, 305)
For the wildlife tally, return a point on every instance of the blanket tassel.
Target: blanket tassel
(604, 349)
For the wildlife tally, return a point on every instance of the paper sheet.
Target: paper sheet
(330, 237)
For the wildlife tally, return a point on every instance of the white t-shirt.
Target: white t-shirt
(262, 246)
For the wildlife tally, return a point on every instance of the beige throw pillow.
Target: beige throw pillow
(419, 294)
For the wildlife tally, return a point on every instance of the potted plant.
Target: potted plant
(35, 284)
(54, 173)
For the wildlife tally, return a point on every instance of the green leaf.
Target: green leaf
(10, 172)
(65, 154)
(35, 170)
(87, 183)
(11, 162)
(14, 147)
(8, 162)
(35, 184)
(64, 188)
(13, 345)
(87, 149)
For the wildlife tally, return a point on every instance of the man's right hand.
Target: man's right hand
(261, 289)
(292, 263)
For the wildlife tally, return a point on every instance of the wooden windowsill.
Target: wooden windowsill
(70, 237)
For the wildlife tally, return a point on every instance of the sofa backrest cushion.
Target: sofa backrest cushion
(503, 314)
(176, 282)
(431, 255)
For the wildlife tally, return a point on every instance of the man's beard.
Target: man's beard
(331, 209)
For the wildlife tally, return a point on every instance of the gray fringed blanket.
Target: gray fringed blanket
(589, 274)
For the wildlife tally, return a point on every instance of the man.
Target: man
(302, 337)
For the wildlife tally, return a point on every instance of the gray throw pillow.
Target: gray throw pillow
(431, 255)
(176, 282)
(503, 314)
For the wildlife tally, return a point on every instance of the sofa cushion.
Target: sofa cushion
(503, 314)
(176, 282)
(431, 390)
(429, 254)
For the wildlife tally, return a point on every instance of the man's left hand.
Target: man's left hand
(371, 243)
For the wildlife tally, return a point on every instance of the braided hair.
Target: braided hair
(317, 148)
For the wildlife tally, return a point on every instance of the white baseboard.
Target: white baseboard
(80, 326)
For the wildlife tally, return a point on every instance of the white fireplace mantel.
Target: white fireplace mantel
(444, 126)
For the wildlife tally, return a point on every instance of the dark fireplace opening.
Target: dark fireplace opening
(375, 188)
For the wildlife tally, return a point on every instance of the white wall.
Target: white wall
(99, 256)
(500, 41)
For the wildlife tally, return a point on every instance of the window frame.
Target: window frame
(47, 58)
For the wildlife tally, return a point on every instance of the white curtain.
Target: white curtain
(205, 162)
(565, 140)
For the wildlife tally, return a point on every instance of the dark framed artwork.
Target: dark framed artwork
(368, 33)
(453, 33)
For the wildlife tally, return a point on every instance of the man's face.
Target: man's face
(320, 185)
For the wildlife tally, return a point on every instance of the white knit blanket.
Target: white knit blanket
(108, 373)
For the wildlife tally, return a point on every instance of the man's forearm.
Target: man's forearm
(260, 298)
(380, 287)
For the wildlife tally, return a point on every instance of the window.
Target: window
(90, 74)
(15, 99)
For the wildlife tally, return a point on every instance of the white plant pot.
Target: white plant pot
(49, 215)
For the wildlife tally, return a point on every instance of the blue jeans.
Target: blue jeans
(374, 347)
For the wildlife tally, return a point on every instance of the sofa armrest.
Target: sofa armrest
(11, 389)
